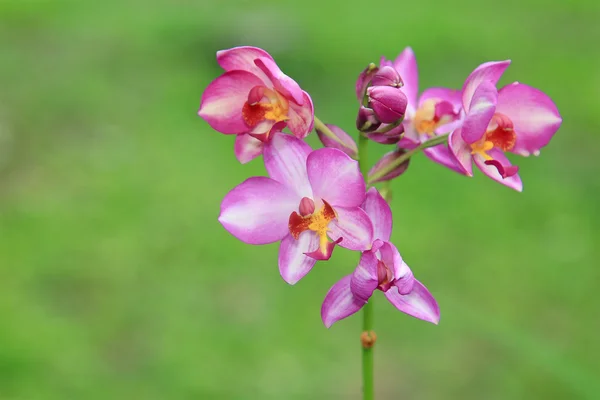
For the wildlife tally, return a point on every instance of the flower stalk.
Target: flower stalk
(319, 125)
(367, 336)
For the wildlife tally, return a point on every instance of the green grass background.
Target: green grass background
(117, 281)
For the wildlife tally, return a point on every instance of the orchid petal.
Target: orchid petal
(257, 210)
(441, 155)
(294, 264)
(339, 302)
(419, 303)
(460, 151)
(354, 226)
(335, 178)
(481, 111)
(513, 182)
(364, 279)
(223, 100)
(285, 161)
(301, 117)
(380, 213)
(452, 96)
(489, 71)
(392, 258)
(247, 148)
(534, 115)
(406, 65)
(242, 59)
(281, 82)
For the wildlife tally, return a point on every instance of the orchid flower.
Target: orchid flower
(252, 99)
(437, 111)
(518, 119)
(380, 267)
(309, 198)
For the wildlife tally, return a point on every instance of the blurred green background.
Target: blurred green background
(117, 282)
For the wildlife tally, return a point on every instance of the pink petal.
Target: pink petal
(301, 117)
(406, 65)
(282, 83)
(460, 151)
(335, 178)
(247, 148)
(452, 96)
(380, 213)
(285, 161)
(390, 255)
(294, 264)
(339, 302)
(223, 100)
(257, 210)
(354, 226)
(489, 71)
(364, 279)
(513, 182)
(242, 58)
(441, 155)
(481, 111)
(419, 303)
(349, 145)
(533, 113)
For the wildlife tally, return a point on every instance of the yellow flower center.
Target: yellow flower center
(316, 222)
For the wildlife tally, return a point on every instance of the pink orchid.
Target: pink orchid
(437, 111)
(381, 267)
(309, 198)
(251, 97)
(518, 118)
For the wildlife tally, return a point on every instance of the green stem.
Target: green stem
(320, 126)
(397, 162)
(367, 348)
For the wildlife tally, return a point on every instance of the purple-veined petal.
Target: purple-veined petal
(406, 65)
(257, 210)
(339, 302)
(301, 117)
(354, 226)
(285, 161)
(335, 178)
(294, 264)
(349, 145)
(242, 59)
(364, 278)
(513, 182)
(533, 113)
(380, 213)
(223, 100)
(441, 155)
(247, 148)
(281, 82)
(481, 111)
(384, 162)
(489, 71)
(460, 151)
(419, 303)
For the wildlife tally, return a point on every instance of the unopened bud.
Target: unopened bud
(387, 76)
(366, 121)
(392, 136)
(384, 162)
(388, 103)
(364, 79)
(344, 143)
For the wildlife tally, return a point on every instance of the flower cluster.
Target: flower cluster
(315, 200)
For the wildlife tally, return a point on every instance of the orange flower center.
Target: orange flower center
(432, 114)
(270, 106)
(500, 134)
(316, 222)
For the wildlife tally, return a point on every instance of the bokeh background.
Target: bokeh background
(117, 282)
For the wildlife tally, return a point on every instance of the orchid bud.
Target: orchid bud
(344, 143)
(366, 121)
(386, 160)
(392, 136)
(364, 79)
(388, 103)
(387, 76)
